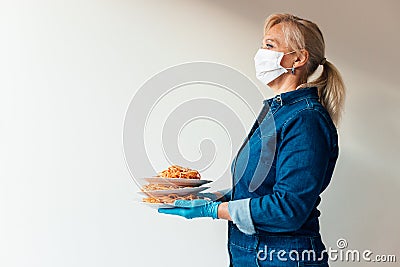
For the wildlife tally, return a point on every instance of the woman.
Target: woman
(288, 158)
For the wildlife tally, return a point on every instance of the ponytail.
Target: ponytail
(331, 91)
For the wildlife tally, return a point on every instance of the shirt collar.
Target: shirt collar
(293, 96)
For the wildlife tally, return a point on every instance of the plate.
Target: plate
(178, 191)
(176, 181)
(158, 205)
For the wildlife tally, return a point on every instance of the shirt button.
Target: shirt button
(278, 99)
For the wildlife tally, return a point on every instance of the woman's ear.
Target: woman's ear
(302, 58)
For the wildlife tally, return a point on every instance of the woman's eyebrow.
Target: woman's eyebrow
(272, 40)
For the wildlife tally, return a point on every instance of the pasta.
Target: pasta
(152, 187)
(176, 171)
(169, 198)
(173, 171)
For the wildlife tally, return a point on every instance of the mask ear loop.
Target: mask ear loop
(292, 68)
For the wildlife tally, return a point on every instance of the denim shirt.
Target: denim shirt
(285, 163)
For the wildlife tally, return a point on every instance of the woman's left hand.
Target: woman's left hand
(193, 209)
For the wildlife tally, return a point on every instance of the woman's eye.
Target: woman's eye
(269, 46)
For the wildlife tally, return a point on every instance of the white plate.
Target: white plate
(158, 205)
(176, 181)
(178, 191)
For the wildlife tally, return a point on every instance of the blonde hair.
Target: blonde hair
(303, 34)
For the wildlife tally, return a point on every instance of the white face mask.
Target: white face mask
(268, 65)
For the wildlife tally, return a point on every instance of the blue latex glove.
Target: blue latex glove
(193, 209)
(210, 196)
(215, 196)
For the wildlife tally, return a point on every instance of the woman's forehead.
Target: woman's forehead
(275, 33)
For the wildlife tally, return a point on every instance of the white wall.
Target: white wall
(67, 73)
